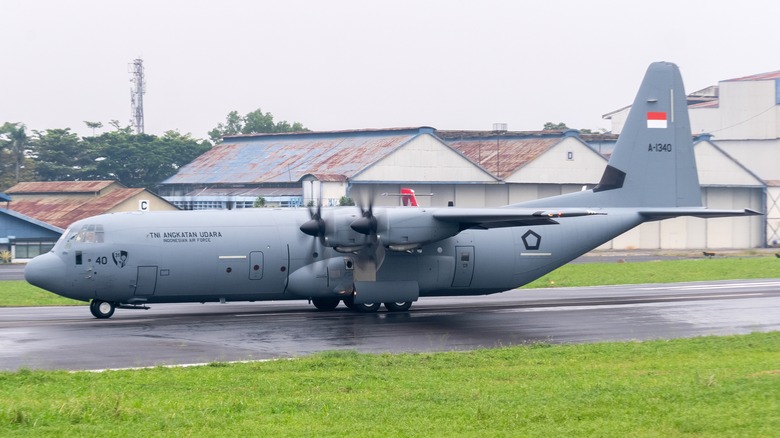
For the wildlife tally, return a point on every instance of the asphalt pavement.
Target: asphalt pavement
(169, 334)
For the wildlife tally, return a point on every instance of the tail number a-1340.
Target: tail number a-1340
(659, 147)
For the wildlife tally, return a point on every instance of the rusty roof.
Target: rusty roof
(501, 154)
(248, 191)
(61, 212)
(279, 158)
(92, 187)
(772, 75)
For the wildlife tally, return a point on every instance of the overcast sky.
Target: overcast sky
(352, 64)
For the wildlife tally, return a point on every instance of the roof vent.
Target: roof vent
(499, 127)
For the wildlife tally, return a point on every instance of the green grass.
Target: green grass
(711, 386)
(665, 271)
(20, 293)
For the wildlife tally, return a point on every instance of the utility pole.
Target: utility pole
(137, 92)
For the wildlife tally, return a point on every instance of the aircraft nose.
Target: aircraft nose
(45, 271)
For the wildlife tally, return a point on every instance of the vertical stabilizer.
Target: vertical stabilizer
(653, 163)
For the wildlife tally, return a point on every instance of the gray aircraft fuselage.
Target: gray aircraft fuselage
(258, 254)
(367, 256)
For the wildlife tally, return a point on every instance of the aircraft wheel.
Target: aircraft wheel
(102, 309)
(398, 307)
(366, 308)
(325, 303)
(350, 302)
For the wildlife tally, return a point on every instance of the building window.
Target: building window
(570, 155)
(28, 250)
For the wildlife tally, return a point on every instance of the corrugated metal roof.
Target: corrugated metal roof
(710, 104)
(60, 187)
(31, 220)
(329, 177)
(772, 75)
(501, 154)
(62, 212)
(278, 158)
(248, 191)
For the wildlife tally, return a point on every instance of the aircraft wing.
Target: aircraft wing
(656, 214)
(484, 218)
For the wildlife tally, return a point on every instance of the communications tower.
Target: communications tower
(137, 91)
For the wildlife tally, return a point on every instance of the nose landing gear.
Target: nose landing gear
(102, 309)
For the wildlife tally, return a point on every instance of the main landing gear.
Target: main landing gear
(102, 309)
(332, 303)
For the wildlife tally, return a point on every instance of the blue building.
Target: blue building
(22, 236)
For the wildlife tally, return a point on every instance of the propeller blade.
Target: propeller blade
(368, 261)
(367, 223)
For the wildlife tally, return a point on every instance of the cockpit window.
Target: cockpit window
(89, 233)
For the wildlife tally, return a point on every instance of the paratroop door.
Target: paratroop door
(146, 282)
(464, 266)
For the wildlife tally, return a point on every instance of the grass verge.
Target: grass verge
(21, 293)
(663, 271)
(710, 386)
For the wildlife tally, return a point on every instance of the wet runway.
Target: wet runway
(12, 271)
(69, 338)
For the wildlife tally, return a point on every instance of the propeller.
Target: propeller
(367, 223)
(368, 256)
(315, 226)
(372, 253)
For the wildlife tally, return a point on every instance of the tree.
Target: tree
(60, 155)
(144, 160)
(254, 122)
(93, 125)
(135, 160)
(550, 126)
(17, 142)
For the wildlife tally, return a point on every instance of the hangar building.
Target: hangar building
(464, 168)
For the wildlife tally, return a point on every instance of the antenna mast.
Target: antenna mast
(137, 92)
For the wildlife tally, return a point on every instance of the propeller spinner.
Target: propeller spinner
(315, 226)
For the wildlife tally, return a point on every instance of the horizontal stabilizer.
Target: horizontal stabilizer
(485, 218)
(704, 213)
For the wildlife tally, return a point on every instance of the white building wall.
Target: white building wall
(470, 195)
(424, 158)
(748, 110)
(762, 157)
(555, 167)
(332, 191)
(705, 121)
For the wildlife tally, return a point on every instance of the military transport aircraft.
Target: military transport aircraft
(365, 256)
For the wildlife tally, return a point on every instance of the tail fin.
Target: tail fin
(652, 164)
(408, 198)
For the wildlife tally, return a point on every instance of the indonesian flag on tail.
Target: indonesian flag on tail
(656, 119)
